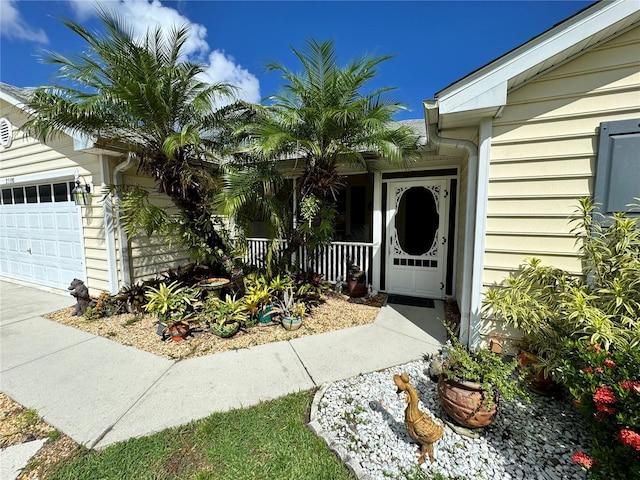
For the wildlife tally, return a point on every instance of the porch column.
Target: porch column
(482, 194)
(376, 264)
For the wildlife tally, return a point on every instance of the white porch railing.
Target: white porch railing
(331, 262)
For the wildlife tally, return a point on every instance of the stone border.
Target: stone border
(352, 465)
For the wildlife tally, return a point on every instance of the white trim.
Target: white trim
(376, 225)
(484, 160)
(109, 233)
(39, 177)
(488, 85)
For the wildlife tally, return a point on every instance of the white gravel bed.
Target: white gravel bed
(362, 420)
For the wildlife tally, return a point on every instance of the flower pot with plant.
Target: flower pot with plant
(225, 316)
(473, 382)
(259, 295)
(290, 310)
(172, 305)
(356, 280)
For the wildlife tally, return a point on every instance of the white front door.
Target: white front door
(417, 211)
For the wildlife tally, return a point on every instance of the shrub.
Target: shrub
(549, 305)
(586, 330)
(605, 386)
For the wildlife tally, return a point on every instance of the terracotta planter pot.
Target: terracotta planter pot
(178, 333)
(356, 289)
(292, 323)
(466, 402)
(536, 381)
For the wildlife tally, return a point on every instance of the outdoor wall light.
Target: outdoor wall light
(81, 194)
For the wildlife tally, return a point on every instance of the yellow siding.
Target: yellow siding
(152, 256)
(544, 152)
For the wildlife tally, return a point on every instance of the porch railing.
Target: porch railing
(331, 261)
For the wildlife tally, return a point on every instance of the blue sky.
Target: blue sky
(434, 42)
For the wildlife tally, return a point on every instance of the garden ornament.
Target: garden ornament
(420, 425)
(81, 292)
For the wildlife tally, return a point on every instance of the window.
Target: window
(18, 195)
(7, 198)
(31, 194)
(60, 192)
(617, 182)
(45, 193)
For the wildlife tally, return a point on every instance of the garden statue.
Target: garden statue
(81, 292)
(420, 425)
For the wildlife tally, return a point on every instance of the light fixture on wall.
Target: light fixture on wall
(81, 194)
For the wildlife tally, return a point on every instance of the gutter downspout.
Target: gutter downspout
(470, 210)
(125, 255)
(110, 240)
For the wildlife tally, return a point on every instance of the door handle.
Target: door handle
(29, 250)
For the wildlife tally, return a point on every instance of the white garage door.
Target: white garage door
(41, 235)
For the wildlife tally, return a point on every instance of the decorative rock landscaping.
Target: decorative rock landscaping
(362, 419)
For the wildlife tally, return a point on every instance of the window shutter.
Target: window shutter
(617, 183)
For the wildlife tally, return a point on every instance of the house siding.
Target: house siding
(150, 256)
(544, 151)
(28, 156)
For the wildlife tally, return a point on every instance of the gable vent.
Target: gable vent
(5, 133)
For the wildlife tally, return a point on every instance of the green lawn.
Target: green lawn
(268, 441)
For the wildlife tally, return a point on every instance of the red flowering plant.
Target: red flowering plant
(605, 386)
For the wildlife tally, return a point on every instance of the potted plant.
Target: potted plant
(291, 311)
(226, 316)
(356, 280)
(259, 296)
(171, 304)
(472, 383)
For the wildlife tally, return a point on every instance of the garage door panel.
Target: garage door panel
(48, 222)
(34, 221)
(62, 222)
(21, 220)
(42, 243)
(36, 247)
(50, 248)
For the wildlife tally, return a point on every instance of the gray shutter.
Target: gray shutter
(617, 182)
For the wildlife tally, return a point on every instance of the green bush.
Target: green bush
(586, 331)
(549, 305)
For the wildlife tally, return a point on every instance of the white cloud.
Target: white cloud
(144, 14)
(221, 68)
(12, 25)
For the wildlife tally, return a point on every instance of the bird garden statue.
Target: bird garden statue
(421, 427)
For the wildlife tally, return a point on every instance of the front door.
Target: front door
(416, 243)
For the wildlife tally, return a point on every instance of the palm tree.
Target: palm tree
(146, 98)
(323, 116)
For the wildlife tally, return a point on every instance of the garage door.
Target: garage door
(41, 235)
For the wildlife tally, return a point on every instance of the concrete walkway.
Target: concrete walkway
(100, 392)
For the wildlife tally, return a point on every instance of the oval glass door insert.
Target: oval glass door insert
(416, 220)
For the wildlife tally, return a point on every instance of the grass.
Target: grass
(268, 441)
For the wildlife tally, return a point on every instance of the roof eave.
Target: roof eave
(485, 90)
